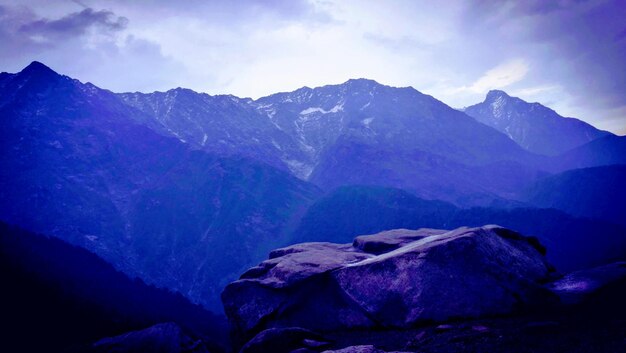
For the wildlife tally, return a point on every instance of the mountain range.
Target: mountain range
(186, 190)
(309, 132)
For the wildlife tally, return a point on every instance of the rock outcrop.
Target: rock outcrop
(161, 338)
(576, 287)
(392, 279)
(285, 340)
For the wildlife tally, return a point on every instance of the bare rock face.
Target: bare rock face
(392, 279)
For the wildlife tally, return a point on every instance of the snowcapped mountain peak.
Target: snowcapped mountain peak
(361, 86)
(497, 100)
(533, 126)
(496, 94)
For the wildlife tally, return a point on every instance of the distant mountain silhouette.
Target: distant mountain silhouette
(596, 192)
(607, 150)
(572, 243)
(533, 126)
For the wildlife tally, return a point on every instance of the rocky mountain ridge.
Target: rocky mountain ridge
(310, 131)
(533, 126)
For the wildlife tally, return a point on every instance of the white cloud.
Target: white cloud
(500, 76)
(453, 91)
(535, 91)
(266, 57)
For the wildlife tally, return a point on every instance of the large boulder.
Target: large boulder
(392, 279)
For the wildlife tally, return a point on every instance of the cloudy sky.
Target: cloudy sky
(569, 55)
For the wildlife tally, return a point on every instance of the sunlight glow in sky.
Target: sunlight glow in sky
(569, 55)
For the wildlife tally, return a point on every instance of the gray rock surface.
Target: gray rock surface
(359, 349)
(424, 276)
(386, 241)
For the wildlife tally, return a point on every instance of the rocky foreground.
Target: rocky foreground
(485, 289)
(468, 289)
(393, 279)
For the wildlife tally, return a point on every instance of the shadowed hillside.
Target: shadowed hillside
(57, 297)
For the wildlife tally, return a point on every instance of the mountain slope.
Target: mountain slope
(533, 126)
(78, 163)
(596, 192)
(362, 132)
(354, 210)
(368, 111)
(603, 151)
(572, 243)
(56, 296)
(219, 124)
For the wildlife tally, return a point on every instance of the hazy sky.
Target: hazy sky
(568, 55)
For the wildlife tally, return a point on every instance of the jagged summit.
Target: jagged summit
(33, 79)
(533, 126)
(37, 67)
(495, 94)
(362, 82)
(351, 84)
(366, 84)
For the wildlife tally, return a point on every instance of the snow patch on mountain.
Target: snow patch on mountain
(276, 145)
(496, 106)
(533, 126)
(337, 108)
(367, 122)
(300, 169)
(508, 132)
